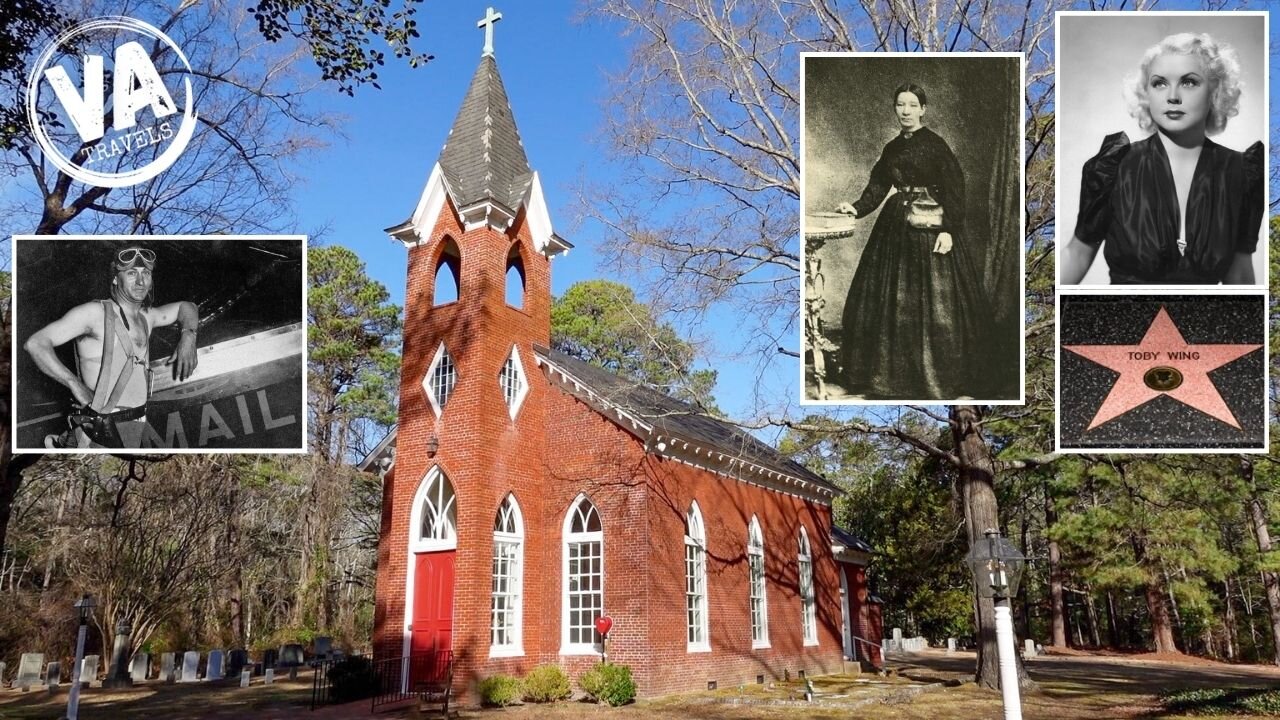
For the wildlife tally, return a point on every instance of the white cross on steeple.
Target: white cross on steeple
(490, 17)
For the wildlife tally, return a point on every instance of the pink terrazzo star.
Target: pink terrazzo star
(1163, 346)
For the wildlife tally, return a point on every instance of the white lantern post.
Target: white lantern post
(84, 607)
(997, 567)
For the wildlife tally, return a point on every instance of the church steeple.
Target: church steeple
(483, 158)
(482, 168)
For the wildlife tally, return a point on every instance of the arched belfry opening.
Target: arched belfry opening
(448, 284)
(515, 277)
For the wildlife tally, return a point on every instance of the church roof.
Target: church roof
(669, 427)
(678, 422)
(483, 158)
(849, 540)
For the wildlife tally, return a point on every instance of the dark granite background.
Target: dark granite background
(1162, 423)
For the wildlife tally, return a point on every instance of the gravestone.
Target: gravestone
(897, 637)
(53, 675)
(3, 666)
(270, 676)
(1029, 648)
(244, 678)
(214, 669)
(886, 645)
(951, 645)
(324, 647)
(118, 670)
(88, 670)
(190, 666)
(141, 667)
(168, 663)
(292, 657)
(270, 658)
(29, 667)
(236, 661)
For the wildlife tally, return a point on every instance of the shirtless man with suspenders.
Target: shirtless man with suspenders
(112, 339)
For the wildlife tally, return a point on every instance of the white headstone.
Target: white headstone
(190, 666)
(1028, 648)
(29, 667)
(897, 637)
(269, 677)
(168, 665)
(141, 667)
(214, 670)
(53, 675)
(88, 670)
(951, 645)
(244, 678)
(3, 666)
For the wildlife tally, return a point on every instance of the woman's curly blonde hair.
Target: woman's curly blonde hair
(1221, 65)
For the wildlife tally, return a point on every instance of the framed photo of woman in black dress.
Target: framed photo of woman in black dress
(1162, 168)
(912, 222)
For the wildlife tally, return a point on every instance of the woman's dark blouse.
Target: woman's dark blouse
(921, 159)
(1128, 198)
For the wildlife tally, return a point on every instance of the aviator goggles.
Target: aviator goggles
(128, 256)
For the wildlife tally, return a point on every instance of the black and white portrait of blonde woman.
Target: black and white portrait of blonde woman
(912, 203)
(1162, 169)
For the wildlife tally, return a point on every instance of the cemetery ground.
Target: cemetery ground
(929, 685)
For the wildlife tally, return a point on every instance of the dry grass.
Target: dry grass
(1070, 688)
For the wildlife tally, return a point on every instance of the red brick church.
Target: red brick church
(527, 493)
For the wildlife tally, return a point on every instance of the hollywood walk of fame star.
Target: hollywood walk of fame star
(1162, 347)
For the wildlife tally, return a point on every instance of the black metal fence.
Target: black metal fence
(341, 680)
(425, 676)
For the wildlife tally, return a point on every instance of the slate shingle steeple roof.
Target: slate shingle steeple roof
(483, 158)
(483, 171)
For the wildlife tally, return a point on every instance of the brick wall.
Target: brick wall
(860, 619)
(555, 449)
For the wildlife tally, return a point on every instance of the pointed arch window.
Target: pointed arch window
(583, 574)
(448, 286)
(695, 581)
(515, 277)
(442, 376)
(808, 614)
(511, 380)
(506, 623)
(435, 514)
(759, 605)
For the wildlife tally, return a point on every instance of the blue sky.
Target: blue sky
(554, 70)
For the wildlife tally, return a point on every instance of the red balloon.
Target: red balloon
(604, 623)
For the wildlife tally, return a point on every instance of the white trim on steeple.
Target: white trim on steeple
(419, 226)
(545, 239)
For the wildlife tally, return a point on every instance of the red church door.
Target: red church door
(432, 605)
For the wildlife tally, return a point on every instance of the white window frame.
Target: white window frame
(808, 609)
(756, 580)
(697, 625)
(508, 532)
(570, 539)
(437, 405)
(432, 492)
(514, 402)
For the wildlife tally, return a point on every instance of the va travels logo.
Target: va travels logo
(121, 139)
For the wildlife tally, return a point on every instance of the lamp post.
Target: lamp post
(84, 607)
(997, 567)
